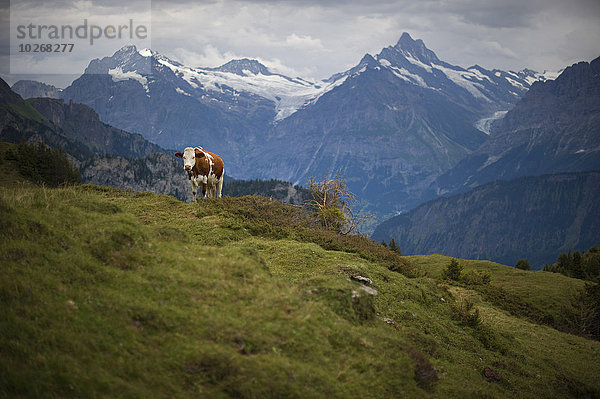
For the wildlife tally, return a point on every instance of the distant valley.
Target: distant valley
(555, 128)
(529, 217)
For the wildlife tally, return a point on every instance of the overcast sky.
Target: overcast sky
(315, 39)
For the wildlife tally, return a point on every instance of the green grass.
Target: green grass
(543, 294)
(9, 175)
(106, 293)
(28, 112)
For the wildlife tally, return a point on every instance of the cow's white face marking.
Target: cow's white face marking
(189, 158)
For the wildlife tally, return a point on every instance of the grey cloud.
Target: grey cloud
(496, 14)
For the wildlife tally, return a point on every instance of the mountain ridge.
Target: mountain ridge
(553, 128)
(504, 200)
(420, 115)
(533, 217)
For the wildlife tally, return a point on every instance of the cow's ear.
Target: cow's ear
(178, 154)
(199, 154)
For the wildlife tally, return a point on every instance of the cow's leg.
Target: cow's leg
(194, 189)
(220, 187)
(204, 190)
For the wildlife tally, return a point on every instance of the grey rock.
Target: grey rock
(368, 290)
(361, 279)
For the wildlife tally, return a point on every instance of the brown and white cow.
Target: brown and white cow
(203, 168)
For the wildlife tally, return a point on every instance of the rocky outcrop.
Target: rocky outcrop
(32, 89)
(81, 123)
(158, 173)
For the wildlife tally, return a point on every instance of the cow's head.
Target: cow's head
(189, 156)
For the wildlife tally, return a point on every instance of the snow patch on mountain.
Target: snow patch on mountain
(546, 75)
(518, 84)
(529, 77)
(416, 62)
(145, 52)
(404, 74)
(181, 91)
(485, 124)
(460, 78)
(118, 75)
(477, 74)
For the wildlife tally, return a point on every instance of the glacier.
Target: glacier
(288, 94)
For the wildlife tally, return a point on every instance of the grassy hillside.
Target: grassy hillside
(105, 293)
(540, 296)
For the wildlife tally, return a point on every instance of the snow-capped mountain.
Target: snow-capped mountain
(229, 80)
(391, 124)
(174, 105)
(398, 120)
(250, 76)
(410, 60)
(531, 76)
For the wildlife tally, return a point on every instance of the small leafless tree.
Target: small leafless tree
(335, 205)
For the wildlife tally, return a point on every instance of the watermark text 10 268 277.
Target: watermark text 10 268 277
(46, 48)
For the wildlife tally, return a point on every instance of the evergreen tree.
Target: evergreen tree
(562, 264)
(523, 264)
(592, 264)
(453, 270)
(584, 266)
(394, 246)
(44, 165)
(576, 265)
(583, 312)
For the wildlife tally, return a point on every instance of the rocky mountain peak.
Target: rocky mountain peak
(243, 66)
(366, 62)
(127, 58)
(126, 50)
(415, 49)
